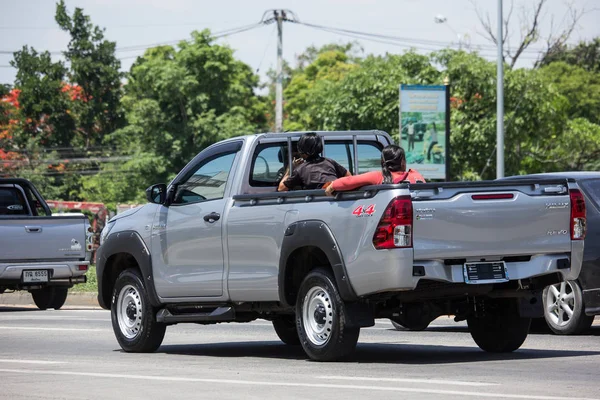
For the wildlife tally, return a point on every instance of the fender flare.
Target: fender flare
(128, 242)
(317, 234)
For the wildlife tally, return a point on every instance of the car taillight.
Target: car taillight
(578, 221)
(395, 226)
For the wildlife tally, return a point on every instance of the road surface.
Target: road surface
(72, 354)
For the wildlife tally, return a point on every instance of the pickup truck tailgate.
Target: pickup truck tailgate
(42, 238)
(503, 219)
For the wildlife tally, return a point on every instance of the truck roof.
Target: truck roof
(15, 181)
(294, 134)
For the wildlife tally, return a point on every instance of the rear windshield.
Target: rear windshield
(12, 202)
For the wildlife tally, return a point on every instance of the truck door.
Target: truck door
(187, 245)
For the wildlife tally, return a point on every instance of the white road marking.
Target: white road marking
(311, 385)
(31, 361)
(39, 328)
(48, 318)
(409, 380)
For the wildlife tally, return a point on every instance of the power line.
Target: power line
(388, 39)
(14, 27)
(215, 35)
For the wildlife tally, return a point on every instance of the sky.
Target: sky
(145, 22)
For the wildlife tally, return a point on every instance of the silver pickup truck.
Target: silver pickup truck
(220, 244)
(43, 253)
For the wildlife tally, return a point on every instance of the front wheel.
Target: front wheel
(564, 309)
(50, 297)
(321, 318)
(133, 317)
(500, 329)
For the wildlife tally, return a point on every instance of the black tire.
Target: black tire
(133, 317)
(60, 296)
(49, 297)
(570, 297)
(285, 327)
(323, 332)
(501, 329)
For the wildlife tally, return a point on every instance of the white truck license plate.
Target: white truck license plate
(35, 276)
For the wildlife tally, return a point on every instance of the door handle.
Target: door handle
(212, 217)
(33, 229)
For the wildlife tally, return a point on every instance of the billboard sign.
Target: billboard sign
(424, 129)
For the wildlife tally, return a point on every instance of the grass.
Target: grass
(90, 286)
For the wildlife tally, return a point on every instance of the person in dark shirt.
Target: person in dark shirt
(311, 171)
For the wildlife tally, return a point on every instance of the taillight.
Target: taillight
(82, 267)
(395, 226)
(578, 221)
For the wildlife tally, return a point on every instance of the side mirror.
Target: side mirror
(157, 194)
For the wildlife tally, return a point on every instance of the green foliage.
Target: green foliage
(94, 68)
(177, 102)
(44, 107)
(580, 86)
(585, 55)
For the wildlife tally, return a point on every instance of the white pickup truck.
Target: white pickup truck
(39, 252)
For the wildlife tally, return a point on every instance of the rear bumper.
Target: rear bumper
(399, 276)
(591, 299)
(60, 274)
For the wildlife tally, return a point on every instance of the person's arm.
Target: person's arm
(282, 187)
(350, 182)
(290, 181)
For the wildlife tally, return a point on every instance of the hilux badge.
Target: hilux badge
(556, 205)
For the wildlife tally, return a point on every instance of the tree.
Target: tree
(585, 55)
(46, 109)
(362, 95)
(530, 21)
(580, 86)
(326, 67)
(95, 69)
(177, 102)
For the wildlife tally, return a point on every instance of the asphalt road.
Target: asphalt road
(72, 354)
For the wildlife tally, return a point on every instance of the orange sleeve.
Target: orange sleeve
(356, 181)
(414, 176)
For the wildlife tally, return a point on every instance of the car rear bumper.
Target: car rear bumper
(59, 274)
(405, 276)
(591, 299)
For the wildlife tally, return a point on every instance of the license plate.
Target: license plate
(35, 276)
(485, 272)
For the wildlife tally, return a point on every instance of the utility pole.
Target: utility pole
(279, 16)
(500, 100)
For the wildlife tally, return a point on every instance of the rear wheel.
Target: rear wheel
(285, 327)
(133, 317)
(321, 319)
(500, 329)
(50, 297)
(564, 310)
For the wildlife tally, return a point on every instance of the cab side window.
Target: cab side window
(207, 182)
(369, 155)
(268, 164)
